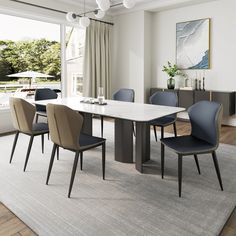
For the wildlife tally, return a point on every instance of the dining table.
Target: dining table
(124, 114)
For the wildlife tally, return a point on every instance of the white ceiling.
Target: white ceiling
(149, 5)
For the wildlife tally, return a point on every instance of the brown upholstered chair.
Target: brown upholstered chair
(65, 130)
(23, 114)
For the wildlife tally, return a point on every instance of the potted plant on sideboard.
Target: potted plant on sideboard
(172, 71)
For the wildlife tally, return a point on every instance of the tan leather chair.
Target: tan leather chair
(65, 130)
(23, 121)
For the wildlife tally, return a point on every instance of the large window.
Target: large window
(28, 45)
(75, 40)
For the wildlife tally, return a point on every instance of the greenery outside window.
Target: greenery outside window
(31, 46)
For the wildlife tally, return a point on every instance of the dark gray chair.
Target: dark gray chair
(65, 127)
(43, 94)
(22, 116)
(123, 95)
(165, 99)
(205, 118)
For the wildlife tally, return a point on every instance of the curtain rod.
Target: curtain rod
(59, 11)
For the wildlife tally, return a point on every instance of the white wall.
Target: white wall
(5, 121)
(147, 54)
(159, 38)
(128, 53)
(221, 75)
(131, 57)
(222, 43)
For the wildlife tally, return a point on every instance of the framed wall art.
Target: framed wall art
(193, 44)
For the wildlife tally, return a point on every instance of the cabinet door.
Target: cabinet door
(227, 99)
(185, 98)
(201, 95)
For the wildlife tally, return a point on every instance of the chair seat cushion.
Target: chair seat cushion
(88, 141)
(187, 145)
(40, 128)
(163, 121)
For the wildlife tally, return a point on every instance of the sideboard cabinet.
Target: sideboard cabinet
(187, 98)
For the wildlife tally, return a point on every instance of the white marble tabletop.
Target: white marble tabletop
(124, 110)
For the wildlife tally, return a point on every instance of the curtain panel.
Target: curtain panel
(97, 59)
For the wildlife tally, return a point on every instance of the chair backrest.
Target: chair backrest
(64, 126)
(205, 118)
(124, 95)
(164, 98)
(44, 94)
(22, 113)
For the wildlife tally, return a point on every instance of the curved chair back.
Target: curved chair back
(205, 118)
(44, 94)
(64, 126)
(164, 98)
(22, 113)
(124, 95)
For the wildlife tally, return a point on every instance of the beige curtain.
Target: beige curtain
(97, 59)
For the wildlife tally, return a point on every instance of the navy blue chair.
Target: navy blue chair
(165, 99)
(43, 94)
(123, 95)
(205, 118)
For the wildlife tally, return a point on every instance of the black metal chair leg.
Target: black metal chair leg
(155, 132)
(57, 152)
(73, 172)
(162, 132)
(28, 151)
(36, 118)
(103, 159)
(42, 139)
(162, 160)
(175, 130)
(51, 162)
(180, 159)
(217, 169)
(197, 164)
(81, 161)
(102, 126)
(133, 129)
(14, 145)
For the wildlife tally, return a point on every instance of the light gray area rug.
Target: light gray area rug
(127, 202)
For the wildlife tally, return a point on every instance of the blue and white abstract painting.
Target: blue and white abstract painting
(192, 44)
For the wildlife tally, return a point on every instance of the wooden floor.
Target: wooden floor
(11, 225)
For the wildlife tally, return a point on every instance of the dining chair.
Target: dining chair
(123, 95)
(23, 114)
(205, 118)
(43, 94)
(65, 130)
(165, 99)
